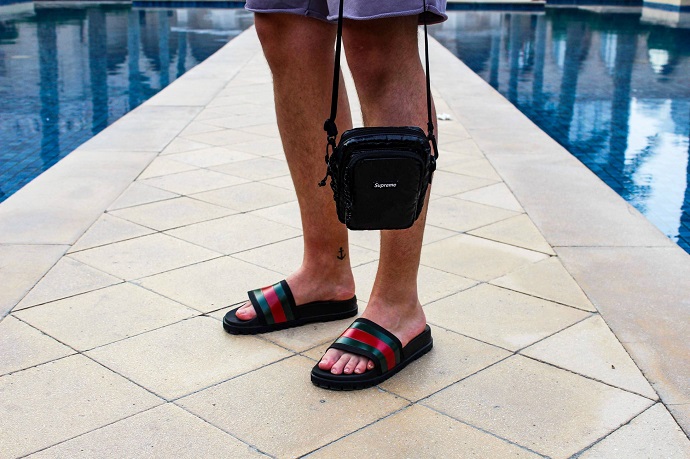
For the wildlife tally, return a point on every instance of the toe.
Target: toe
(351, 365)
(338, 366)
(245, 312)
(329, 358)
(361, 366)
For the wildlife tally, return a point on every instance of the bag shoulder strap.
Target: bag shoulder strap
(330, 127)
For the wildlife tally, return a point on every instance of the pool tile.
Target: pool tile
(67, 278)
(547, 279)
(138, 193)
(234, 234)
(59, 400)
(143, 256)
(477, 258)
(212, 156)
(212, 284)
(497, 195)
(654, 433)
(247, 196)
(188, 92)
(420, 432)
(159, 432)
(185, 357)
(103, 316)
(108, 229)
(458, 215)
(501, 317)
(292, 429)
(548, 410)
(23, 346)
(195, 181)
(591, 349)
(172, 213)
(19, 278)
(518, 231)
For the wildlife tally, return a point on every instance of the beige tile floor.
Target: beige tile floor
(118, 350)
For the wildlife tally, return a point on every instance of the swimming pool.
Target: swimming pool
(611, 88)
(66, 73)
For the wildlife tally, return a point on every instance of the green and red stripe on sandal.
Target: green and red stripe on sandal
(276, 310)
(369, 339)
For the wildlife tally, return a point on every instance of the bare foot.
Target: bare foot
(405, 322)
(307, 286)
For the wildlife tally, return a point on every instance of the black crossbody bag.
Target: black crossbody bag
(379, 175)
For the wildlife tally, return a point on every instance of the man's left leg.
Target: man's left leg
(384, 59)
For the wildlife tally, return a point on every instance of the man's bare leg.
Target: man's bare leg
(300, 54)
(384, 60)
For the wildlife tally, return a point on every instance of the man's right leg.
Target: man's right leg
(300, 53)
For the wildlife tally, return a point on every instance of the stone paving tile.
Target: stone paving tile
(255, 169)
(496, 195)
(458, 215)
(138, 193)
(545, 409)
(286, 256)
(642, 293)
(67, 278)
(285, 214)
(453, 358)
(144, 256)
(653, 434)
(591, 349)
(58, 400)
(19, 278)
(180, 144)
(282, 427)
(477, 258)
(518, 231)
(195, 181)
(213, 156)
(172, 213)
(211, 285)
(108, 229)
(448, 183)
(162, 165)
(372, 239)
(263, 146)
(501, 317)
(106, 315)
(247, 196)
(547, 279)
(284, 182)
(681, 412)
(164, 431)
(23, 346)
(224, 137)
(431, 283)
(476, 167)
(187, 356)
(236, 233)
(420, 432)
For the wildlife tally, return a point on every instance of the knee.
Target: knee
(287, 39)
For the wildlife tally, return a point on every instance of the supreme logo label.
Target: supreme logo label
(385, 185)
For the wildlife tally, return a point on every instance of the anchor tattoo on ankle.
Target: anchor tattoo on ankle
(341, 254)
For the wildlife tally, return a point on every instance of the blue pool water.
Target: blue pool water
(613, 89)
(67, 73)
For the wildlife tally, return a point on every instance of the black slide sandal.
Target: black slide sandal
(276, 310)
(369, 339)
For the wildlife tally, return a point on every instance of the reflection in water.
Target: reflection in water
(613, 91)
(67, 73)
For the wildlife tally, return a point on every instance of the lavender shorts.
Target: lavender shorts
(327, 10)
